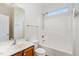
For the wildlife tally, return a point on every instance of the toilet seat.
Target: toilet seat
(40, 52)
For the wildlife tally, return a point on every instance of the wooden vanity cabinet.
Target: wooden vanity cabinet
(26, 52)
(29, 52)
(18, 54)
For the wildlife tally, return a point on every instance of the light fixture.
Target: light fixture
(58, 11)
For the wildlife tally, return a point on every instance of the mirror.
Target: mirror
(11, 22)
(4, 22)
(18, 23)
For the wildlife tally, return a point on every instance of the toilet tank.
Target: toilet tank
(36, 43)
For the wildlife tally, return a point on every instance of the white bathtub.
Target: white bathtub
(54, 50)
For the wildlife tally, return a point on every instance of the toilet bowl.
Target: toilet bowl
(38, 51)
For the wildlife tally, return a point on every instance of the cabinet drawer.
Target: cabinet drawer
(29, 52)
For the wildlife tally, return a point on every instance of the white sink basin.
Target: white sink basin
(17, 46)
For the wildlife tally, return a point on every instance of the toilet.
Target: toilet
(38, 51)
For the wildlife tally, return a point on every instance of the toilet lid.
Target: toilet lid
(40, 50)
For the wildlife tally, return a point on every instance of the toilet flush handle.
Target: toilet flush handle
(42, 36)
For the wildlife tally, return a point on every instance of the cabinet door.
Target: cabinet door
(29, 52)
(18, 54)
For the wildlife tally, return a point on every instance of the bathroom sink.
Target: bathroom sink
(17, 46)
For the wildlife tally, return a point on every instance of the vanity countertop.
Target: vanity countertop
(7, 49)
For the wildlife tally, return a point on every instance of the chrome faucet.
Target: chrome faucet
(14, 43)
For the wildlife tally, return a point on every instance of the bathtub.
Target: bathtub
(53, 50)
